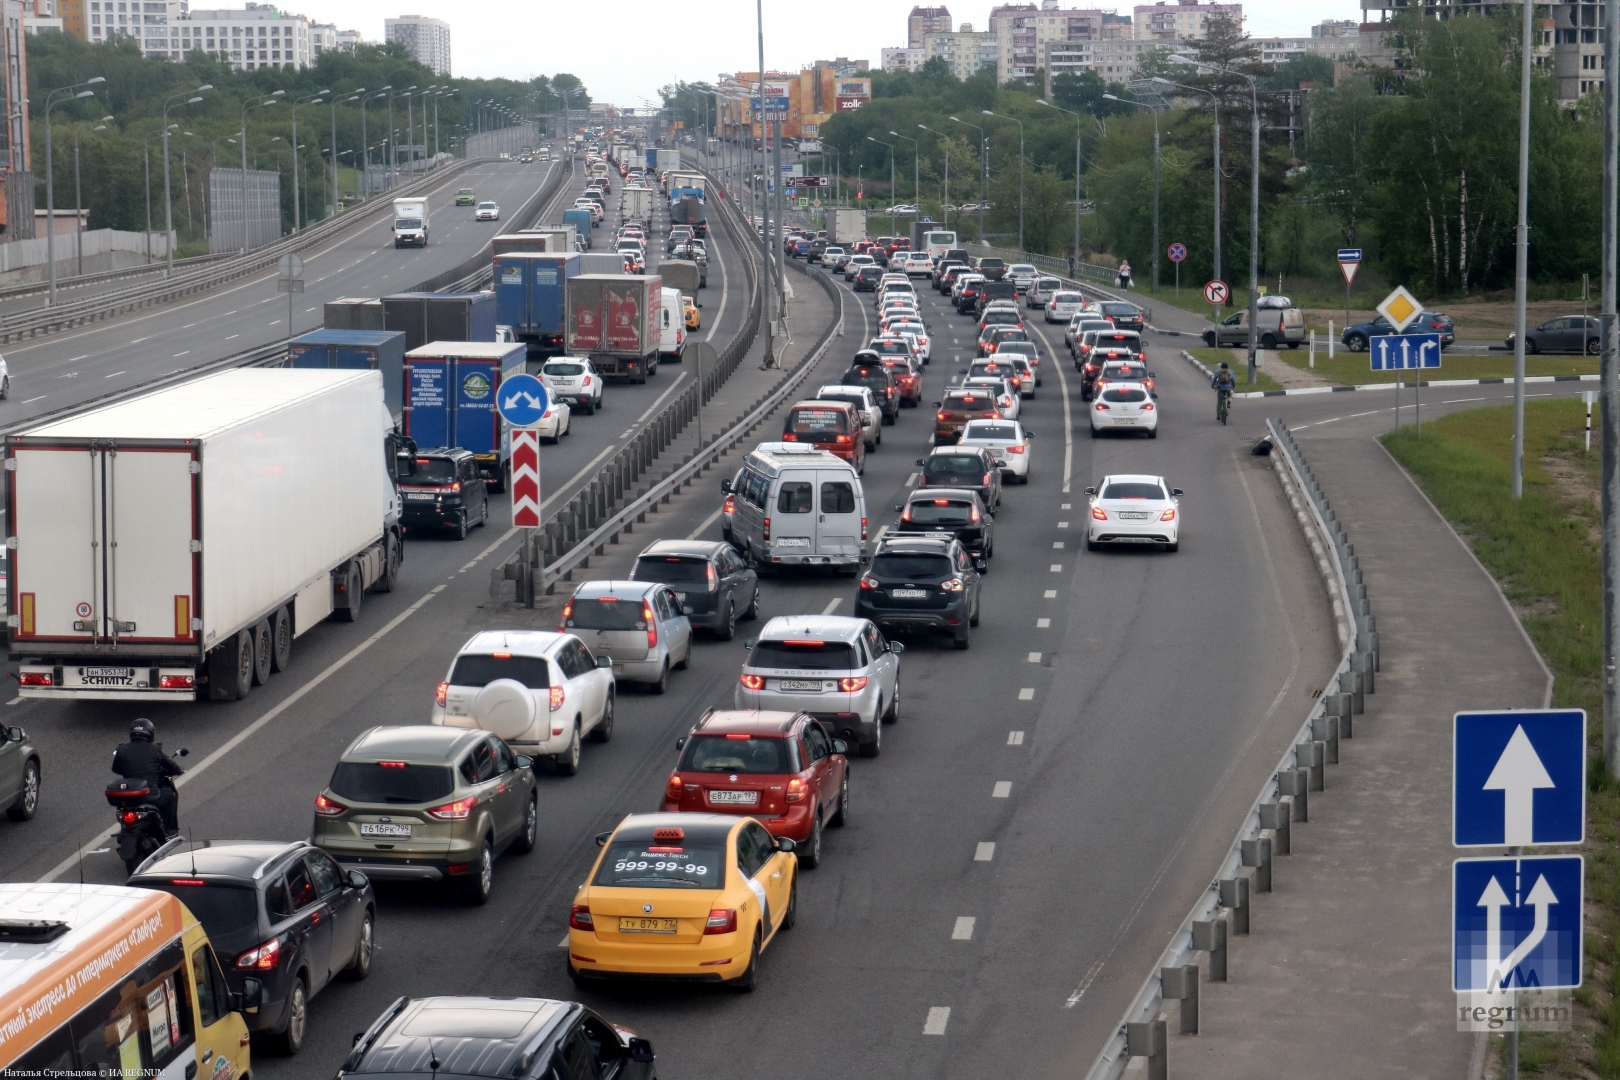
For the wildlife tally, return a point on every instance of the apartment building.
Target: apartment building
(903, 59)
(964, 51)
(1180, 20)
(427, 40)
(924, 21)
(1114, 59)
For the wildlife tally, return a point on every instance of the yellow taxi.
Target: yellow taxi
(686, 897)
(693, 318)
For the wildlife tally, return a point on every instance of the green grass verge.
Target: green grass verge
(1348, 368)
(1543, 550)
(1240, 364)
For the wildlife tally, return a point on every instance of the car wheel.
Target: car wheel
(749, 979)
(1267, 341)
(662, 684)
(875, 747)
(263, 650)
(531, 826)
(974, 619)
(1356, 343)
(790, 918)
(1530, 345)
(753, 606)
(1593, 348)
(960, 642)
(1209, 339)
(461, 525)
(728, 629)
(360, 966)
(1153, 433)
(290, 1040)
(1094, 432)
(568, 760)
(483, 883)
(1092, 545)
(892, 715)
(28, 799)
(810, 854)
(1173, 546)
(840, 816)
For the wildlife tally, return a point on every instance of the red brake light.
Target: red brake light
(557, 695)
(35, 678)
(128, 817)
(175, 682)
(795, 790)
(579, 918)
(721, 921)
(263, 958)
(672, 790)
(868, 581)
(187, 881)
(1101, 407)
(853, 685)
(843, 439)
(714, 578)
(460, 810)
(730, 505)
(973, 515)
(1148, 407)
(327, 808)
(440, 693)
(1168, 515)
(767, 529)
(652, 624)
(863, 528)
(1099, 513)
(754, 682)
(567, 613)
(391, 765)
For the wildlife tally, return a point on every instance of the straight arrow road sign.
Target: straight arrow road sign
(1392, 352)
(1516, 923)
(1519, 778)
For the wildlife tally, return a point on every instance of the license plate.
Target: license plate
(402, 832)
(1123, 421)
(812, 685)
(908, 594)
(638, 925)
(794, 541)
(424, 496)
(734, 798)
(109, 673)
(1133, 515)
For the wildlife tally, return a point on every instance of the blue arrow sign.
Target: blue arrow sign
(522, 400)
(1518, 778)
(1348, 255)
(1516, 923)
(1392, 352)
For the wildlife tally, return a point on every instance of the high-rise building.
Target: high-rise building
(924, 21)
(903, 59)
(251, 39)
(964, 51)
(1180, 20)
(427, 40)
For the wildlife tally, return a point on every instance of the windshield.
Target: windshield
(564, 370)
(804, 655)
(408, 223)
(1119, 309)
(434, 471)
(1133, 491)
(911, 567)
(1124, 371)
(662, 866)
(671, 570)
(480, 670)
(969, 403)
(393, 783)
(1068, 298)
(737, 754)
(941, 512)
(997, 432)
(606, 613)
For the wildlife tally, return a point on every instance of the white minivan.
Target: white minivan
(671, 325)
(797, 506)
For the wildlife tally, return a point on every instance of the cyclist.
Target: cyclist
(1223, 384)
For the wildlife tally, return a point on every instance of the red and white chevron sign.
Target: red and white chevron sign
(525, 478)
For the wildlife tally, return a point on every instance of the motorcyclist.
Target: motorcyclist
(142, 758)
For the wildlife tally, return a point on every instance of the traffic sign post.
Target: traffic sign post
(1178, 252)
(1215, 294)
(1400, 308)
(522, 403)
(1349, 263)
(290, 280)
(1518, 779)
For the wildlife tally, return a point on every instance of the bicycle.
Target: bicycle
(1223, 404)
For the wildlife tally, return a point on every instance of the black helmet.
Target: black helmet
(142, 730)
(1223, 365)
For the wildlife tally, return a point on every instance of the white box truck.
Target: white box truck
(174, 545)
(636, 204)
(410, 222)
(846, 225)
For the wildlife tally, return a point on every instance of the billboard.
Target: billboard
(776, 100)
(850, 104)
(854, 88)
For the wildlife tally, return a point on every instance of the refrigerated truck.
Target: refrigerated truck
(846, 225)
(636, 204)
(530, 292)
(613, 319)
(450, 389)
(176, 544)
(356, 350)
(433, 316)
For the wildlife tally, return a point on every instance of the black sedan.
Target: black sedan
(1567, 333)
(715, 586)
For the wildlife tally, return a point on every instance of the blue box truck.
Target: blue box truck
(360, 350)
(440, 316)
(531, 293)
(581, 221)
(450, 389)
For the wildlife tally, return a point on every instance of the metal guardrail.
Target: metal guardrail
(479, 270)
(95, 309)
(1284, 798)
(1047, 262)
(35, 288)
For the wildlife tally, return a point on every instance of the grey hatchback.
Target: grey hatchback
(19, 774)
(714, 584)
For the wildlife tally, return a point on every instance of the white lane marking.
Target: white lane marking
(41, 397)
(114, 375)
(86, 356)
(1042, 624)
(626, 433)
(695, 533)
(15, 700)
(911, 481)
(476, 559)
(678, 380)
(563, 944)
(138, 340)
(233, 336)
(1002, 790)
(1369, 412)
(832, 605)
(1057, 545)
(1026, 693)
(1454, 401)
(178, 355)
(983, 853)
(1063, 524)
(963, 930)
(1015, 738)
(1057, 568)
(1051, 594)
(1335, 420)
(1065, 506)
(248, 732)
(1034, 657)
(938, 1017)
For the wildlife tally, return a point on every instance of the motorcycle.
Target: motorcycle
(140, 821)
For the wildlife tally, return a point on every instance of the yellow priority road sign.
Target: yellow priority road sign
(1401, 308)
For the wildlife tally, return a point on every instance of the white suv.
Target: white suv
(918, 262)
(541, 692)
(840, 670)
(573, 379)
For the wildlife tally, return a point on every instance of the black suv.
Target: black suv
(992, 269)
(446, 492)
(868, 277)
(921, 582)
(714, 584)
(958, 511)
(972, 467)
(283, 913)
(873, 374)
(507, 1036)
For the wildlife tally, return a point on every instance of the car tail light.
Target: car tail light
(868, 581)
(1099, 513)
(460, 810)
(853, 685)
(795, 790)
(567, 613)
(753, 682)
(652, 624)
(1101, 407)
(730, 505)
(129, 817)
(327, 808)
(34, 678)
(440, 693)
(788, 436)
(672, 790)
(984, 481)
(1148, 407)
(1015, 449)
(1168, 515)
(263, 958)
(455, 486)
(767, 536)
(844, 440)
(714, 578)
(942, 416)
(973, 515)
(176, 682)
(905, 515)
(187, 881)
(954, 584)
(579, 918)
(558, 693)
(587, 381)
(721, 921)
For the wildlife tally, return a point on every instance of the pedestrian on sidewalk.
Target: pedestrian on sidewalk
(1124, 278)
(1071, 266)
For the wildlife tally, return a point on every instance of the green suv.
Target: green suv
(424, 803)
(466, 197)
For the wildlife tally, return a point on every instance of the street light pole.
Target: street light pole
(764, 200)
(1020, 124)
(191, 98)
(945, 199)
(1215, 111)
(1155, 112)
(51, 100)
(1521, 283)
(880, 142)
(298, 224)
(916, 170)
(355, 96)
(1609, 374)
(984, 170)
(1077, 164)
(245, 110)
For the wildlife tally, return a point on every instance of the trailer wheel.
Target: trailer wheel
(281, 635)
(393, 555)
(230, 668)
(262, 651)
(354, 591)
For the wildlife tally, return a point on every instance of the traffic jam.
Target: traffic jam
(697, 884)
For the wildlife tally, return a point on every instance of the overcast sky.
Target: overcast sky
(624, 50)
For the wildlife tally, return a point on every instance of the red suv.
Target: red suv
(834, 426)
(779, 767)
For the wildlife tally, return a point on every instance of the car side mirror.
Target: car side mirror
(1028, 434)
(981, 565)
(680, 743)
(897, 647)
(725, 486)
(182, 752)
(1175, 491)
(404, 465)
(921, 461)
(937, 404)
(524, 762)
(604, 662)
(1153, 374)
(785, 845)
(603, 837)
(749, 643)
(15, 734)
(640, 1050)
(357, 880)
(899, 507)
(840, 746)
(1091, 491)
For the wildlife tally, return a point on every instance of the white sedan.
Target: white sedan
(915, 330)
(1133, 509)
(486, 211)
(1125, 406)
(556, 422)
(1007, 399)
(1006, 439)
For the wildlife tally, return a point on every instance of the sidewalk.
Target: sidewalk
(1347, 971)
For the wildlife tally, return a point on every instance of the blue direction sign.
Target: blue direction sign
(1518, 778)
(1516, 923)
(1394, 351)
(522, 400)
(1349, 255)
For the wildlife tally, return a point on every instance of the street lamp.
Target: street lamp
(365, 141)
(916, 171)
(1078, 119)
(1215, 103)
(945, 198)
(190, 98)
(1155, 112)
(1254, 204)
(247, 108)
(984, 174)
(51, 101)
(354, 96)
(1020, 124)
(316, 98)
(880, 142)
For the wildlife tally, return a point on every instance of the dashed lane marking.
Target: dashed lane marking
(1026, 694)
(1015, 738)
(985, 852)
(963, 930)
(938, 1017)
(1063, 524)
(1057, 545)
(1051, 594)
(1057, 568)
(1002, 790)
(1042, 624)
(1034, 657)
(832, 605)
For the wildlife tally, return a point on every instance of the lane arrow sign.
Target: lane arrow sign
(1517, 775)
(1541, 898)
(1493, 900)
